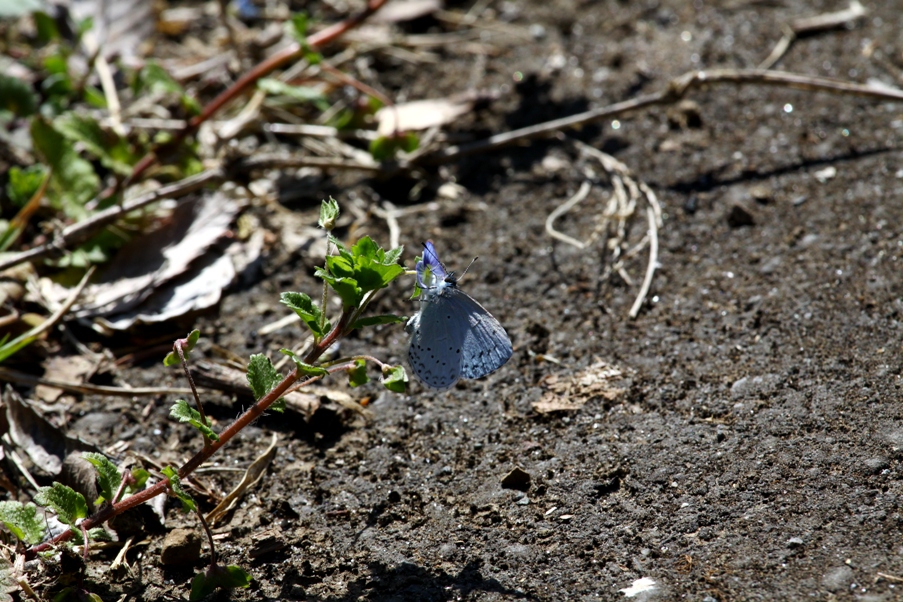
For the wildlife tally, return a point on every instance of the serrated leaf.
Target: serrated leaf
(68, 504)
(112, 150)
(263, 376)
(374, 320)
(393, 255)
(305, 369)
(23, 520)
(74, 181)
(357, 376)
(183, 412)
(175, 484)
(16, 96)
(108, 476)
(307, 310)
(395, 379)
(329, 213)
(172, 358)
(228, 577)
(346, 288)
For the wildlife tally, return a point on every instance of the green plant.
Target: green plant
(355, 274)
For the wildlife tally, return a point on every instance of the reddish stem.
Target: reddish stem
(283, 57)
(249, 416)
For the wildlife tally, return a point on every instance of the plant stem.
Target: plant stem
(179, 348)
(325, 287)
(249, 416)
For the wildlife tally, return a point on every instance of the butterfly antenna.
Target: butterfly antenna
(426, 250)
(472, 261)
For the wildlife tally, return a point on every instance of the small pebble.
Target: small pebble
(181, 547)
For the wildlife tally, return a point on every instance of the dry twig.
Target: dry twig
(809, 25)
(675, 91)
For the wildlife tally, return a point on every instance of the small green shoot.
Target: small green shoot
(226, 577)
(357, 376)
(183, 412)
(329, 214)
(395, 379)
(175, 485)
(305, 369)
(172, 358)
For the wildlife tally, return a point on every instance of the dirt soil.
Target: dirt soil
(755, 452)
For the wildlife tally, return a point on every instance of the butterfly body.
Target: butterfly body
(452, 336)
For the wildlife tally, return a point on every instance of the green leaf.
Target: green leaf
(175, 484)
(305, 369)
(357, 376)
(23, 183)
(385, 148)
(172, 358)
(113, 151)
(374, 320)
(329, 213)
(395, 379)
(23, 520)
(45, 25)
(141, 476)
(108, 476)
(68, 504)
(363, 268)
(280, 88)
(16, 96)
(309, 313)
(346, 288)
(99, 534)
(217, 576)
(183, 412)
(262, 376)
(12, 347)
(154, 79)
(73, 182)
(299, 27)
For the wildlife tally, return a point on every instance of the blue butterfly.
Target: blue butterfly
(452, 336)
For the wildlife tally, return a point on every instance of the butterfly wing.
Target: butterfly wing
(437, 342)
(485, 346)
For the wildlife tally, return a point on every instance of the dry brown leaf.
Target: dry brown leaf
(252, 475)
(570, 393)
(67, 369)
(44, 443)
